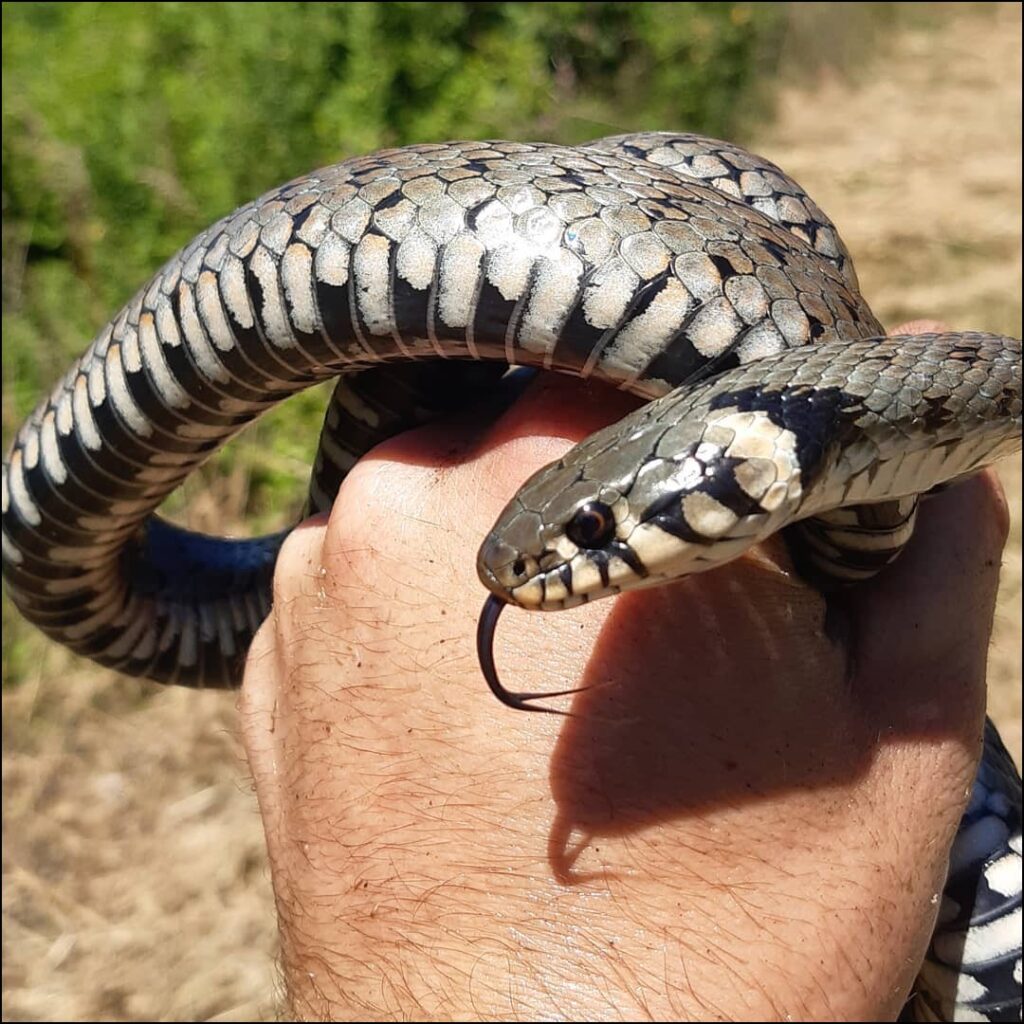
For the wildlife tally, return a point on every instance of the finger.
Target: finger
(923, 326)
(553, 413)
(267, 664)
(922, 630)
(923, 624)
(293, 571)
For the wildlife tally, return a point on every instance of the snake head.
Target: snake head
(565, 552)
(675, 488)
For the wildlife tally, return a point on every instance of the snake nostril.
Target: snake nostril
(518, 567)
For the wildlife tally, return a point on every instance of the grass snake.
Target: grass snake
(685, 270)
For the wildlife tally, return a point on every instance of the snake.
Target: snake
(684, 270)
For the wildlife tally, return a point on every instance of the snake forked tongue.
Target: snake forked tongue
(485, 630)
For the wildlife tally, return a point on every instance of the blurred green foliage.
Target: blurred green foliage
(129, 127)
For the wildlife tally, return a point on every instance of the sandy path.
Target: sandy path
(134, 875)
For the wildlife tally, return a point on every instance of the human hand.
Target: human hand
(747, 817)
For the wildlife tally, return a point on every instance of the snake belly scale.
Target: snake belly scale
(417, 276)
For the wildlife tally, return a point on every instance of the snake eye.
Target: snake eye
(592, 526)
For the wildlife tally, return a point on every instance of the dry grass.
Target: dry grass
(134, 874)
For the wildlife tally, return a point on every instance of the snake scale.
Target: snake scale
(682, 269)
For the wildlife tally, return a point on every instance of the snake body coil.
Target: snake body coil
(417, 276)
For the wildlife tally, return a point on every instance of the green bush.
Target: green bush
(128, 127)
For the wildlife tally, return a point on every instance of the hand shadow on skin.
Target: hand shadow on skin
(744, 694)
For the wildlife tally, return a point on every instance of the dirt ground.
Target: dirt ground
(134, 877)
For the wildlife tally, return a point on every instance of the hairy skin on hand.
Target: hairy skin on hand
(747, 816)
